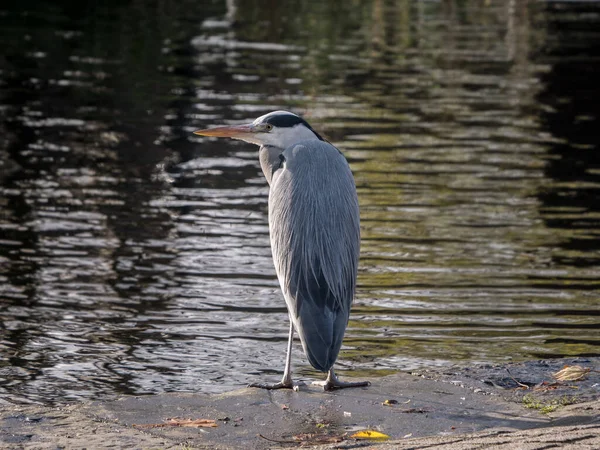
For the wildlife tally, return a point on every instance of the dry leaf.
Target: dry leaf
(571, 373)
(370, 434)
(197, 423)
(176, 422)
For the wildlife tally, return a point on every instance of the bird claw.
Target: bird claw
(329, 385)
(271, 386)
(333, 382)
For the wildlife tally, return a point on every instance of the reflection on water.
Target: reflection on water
(134, 257)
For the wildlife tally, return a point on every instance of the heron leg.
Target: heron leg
(333, 382)
(286, 382)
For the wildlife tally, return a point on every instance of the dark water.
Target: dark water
(134, 256)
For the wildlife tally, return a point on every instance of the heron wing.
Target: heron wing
(315, 239)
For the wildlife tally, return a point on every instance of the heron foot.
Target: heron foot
(270, 386)
(330, 386)
(285, 383)
(333, 382)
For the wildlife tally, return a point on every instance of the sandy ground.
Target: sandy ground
(456, 410)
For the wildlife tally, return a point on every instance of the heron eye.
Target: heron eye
(268, 127)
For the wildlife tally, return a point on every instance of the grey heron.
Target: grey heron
(314, 229)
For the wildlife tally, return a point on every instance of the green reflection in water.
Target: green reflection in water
(471, 127)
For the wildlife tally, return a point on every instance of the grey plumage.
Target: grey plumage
(315, 233)
(315, 239)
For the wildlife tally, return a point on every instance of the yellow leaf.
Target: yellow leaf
(571, 373)
(390, 402)
(370, 434)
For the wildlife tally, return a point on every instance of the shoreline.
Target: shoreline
(475, 407)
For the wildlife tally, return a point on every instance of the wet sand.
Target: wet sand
(458, 409)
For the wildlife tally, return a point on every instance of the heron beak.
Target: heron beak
(239, 131)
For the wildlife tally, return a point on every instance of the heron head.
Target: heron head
(275, 129)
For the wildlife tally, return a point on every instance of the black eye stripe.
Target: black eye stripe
(285, 120)
(288, 121)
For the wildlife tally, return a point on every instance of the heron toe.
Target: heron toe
(270, 386)
(333, 382)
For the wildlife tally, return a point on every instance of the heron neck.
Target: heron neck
(269, 160)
